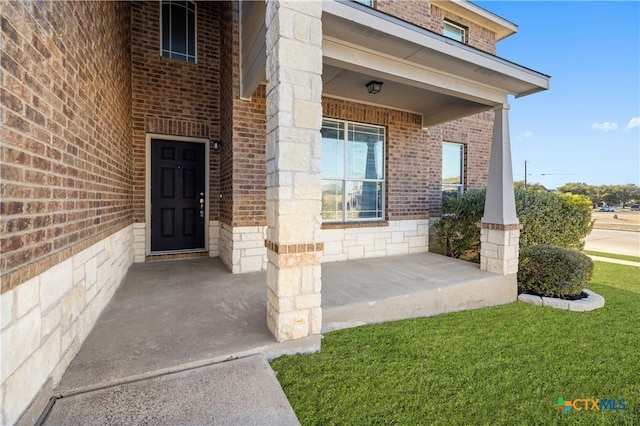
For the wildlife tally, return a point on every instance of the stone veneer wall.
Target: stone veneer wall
(395, 238)
(214, 238)
(66, 185)
(242, 249)
(44, 325)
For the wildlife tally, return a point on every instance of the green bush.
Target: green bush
(552, 271)
(457, 231)
(550, 218)
(547, 218)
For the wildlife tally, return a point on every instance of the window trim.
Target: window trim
(344, 124)
(464, 30)
(460, 186)
(169, 53)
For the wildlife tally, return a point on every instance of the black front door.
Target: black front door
(177, 195)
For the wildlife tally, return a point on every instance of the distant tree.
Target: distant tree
(610, 194)
(532, 186)
(635, 196)
(627, 192)
(580, 188)
(607, 194)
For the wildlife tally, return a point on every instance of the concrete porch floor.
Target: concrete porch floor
(173, 316)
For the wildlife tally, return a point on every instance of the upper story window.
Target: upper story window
(178, 30)
(352, 171)
(455, 31)
(365, 2)
(452, 168)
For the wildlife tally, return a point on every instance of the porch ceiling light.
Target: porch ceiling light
(373, 87)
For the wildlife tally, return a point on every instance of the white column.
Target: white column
(500, 204)
(293, 155)
(500, 227)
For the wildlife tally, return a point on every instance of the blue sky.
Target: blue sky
(586, 127)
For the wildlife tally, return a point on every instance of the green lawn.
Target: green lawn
(504, 365)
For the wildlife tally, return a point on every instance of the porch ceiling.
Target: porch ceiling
(422, 72)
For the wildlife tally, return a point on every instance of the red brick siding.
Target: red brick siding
(416, 12)
(243, 169)
(475, 133)
(428, 15)
(66, 139)
(477, 36)
(173, 97)
(414, 155)
(249, 163)
(229, 78)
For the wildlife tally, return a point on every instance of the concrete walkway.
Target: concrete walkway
(157, 353)
(240, 392)
(618, 261)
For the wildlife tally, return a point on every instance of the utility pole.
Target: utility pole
(525, 174)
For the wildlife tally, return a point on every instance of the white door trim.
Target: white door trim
(147, 186)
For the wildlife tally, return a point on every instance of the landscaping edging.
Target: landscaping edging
(590, 303)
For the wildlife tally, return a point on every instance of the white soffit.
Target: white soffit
(355, 24)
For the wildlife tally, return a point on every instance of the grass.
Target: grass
(503, 365)
(612, 255)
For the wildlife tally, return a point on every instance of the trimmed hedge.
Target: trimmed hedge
(550, 218)
(547, 218)
(456, 230)
(552, 271)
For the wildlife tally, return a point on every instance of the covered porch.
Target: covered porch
(304, 51)
(170, 316)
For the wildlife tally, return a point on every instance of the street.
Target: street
(618, 242)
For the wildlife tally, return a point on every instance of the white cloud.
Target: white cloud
(634, 122)
(527, 135)
(605, 127)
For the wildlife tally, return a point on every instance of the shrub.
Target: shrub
(547, 218)
(550, 218)
(552, 271)
(456, 230)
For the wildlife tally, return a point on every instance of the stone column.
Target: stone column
(293, 155)
(500, 227)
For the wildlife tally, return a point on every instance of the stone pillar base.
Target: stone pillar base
(499, 248)
(293, 290)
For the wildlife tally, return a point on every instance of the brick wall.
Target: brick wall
(415, 12)
(229, 79)
(428, 15)
(174, 97)
(414, 155)
(243, 172)
(475, 132)
(66, 137)
(477, 36)
(249, 164)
